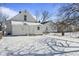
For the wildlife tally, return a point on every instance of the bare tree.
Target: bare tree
(61, 26)
(70, 13)
(3, 19)
(43, 15)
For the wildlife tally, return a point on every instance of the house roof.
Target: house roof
(45, 22)
(26, 23)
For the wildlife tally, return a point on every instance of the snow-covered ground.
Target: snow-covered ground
(49, 44)
(68, 34)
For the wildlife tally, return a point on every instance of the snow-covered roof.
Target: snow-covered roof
(26, 23)
(45, 22)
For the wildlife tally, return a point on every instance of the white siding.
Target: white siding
(19, 28)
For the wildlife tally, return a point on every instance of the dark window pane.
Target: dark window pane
(38, 28)
(25, 17)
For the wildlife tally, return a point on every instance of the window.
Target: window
(38, 28)
(25, 17)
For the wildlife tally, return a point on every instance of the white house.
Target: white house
(23, 24)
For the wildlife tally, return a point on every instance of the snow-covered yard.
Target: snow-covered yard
(50, 44)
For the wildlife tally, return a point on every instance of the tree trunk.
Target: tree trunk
(62, 33)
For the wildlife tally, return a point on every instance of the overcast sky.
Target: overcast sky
(13, 8)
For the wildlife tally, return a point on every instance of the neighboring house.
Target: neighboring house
(23, 24)
(50, 26)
